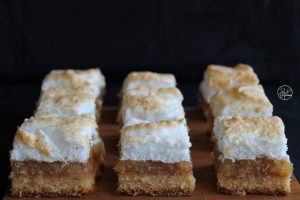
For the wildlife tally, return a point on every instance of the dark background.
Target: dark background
(174, 36)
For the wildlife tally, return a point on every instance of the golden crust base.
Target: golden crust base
(40, 185)
(260, 176)
(155, 178)
(254, 185)
(156, 185)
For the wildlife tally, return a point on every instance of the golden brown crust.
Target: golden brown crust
(242, 99)
(31, 192)
(36, 142)
(156, 185)
(67, 193)
(67, 105)
(246, 94)
(69, 101)
(150, 102)
(270, 191)
(69, 122)
(153, 125)
(75, 79)
(148, 76)
(222, 76)
(68, 125)
(253, 93)
(146, 103)
(159, 192)
(71, 74)
(83, 88)
(144, 91)
(271, 127)
(32, 178)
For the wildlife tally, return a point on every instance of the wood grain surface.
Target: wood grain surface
(201, 156)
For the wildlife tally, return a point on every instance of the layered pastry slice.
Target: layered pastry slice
(64, 82)
(70, 78)
(67, 105)
(55, 157)
(148, 79)
(155, 159)
(251, 156)
(244, 101)
(218, 79)
(146, 91)
(76, 99)
(150, 104)
(58, 91)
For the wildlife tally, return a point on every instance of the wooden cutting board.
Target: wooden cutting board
(201, 156)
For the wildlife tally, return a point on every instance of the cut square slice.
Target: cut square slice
(72, 78)
(56, 157)
(148, 79)
(155, 159)
(150, 105)
(83, 105)
(251, 156)
(244, 101)
(220, 78)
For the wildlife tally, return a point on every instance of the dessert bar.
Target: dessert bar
(71, 78)
(244, 101)
(149, 105)
(67, 105)
(56, 157)
(218, 79)
(58, 151)
(155, 159)
(148, 79)
(250, 156)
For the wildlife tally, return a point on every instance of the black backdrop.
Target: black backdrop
(165, 35)
(180, 37)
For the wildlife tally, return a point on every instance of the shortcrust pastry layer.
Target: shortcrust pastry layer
(156, 184)
(155, 178)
